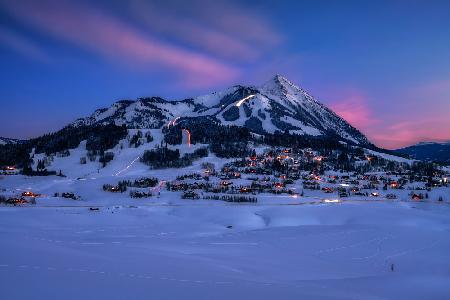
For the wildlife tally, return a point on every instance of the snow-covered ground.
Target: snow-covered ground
(160, 251)
(164, 247)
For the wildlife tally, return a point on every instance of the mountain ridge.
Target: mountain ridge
(429, 151)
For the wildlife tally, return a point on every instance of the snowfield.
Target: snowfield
(305, 245)
(170, 248)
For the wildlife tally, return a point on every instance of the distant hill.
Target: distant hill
(436, 152)
(5, 141)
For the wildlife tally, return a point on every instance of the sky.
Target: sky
(382, 65)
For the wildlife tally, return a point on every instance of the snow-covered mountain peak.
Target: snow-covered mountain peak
(277, 84)
(285, 91)
(278, 105)
(282, 81)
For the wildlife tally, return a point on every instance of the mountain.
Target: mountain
(429, 151)
(277, 113)
(275, 106)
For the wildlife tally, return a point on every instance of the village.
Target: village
(273, 172)
(283, 171)
(276, 173)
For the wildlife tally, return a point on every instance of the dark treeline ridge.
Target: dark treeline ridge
(231, 198)
(163, 157)
(206, 131)
(99, 138)
(233, 141)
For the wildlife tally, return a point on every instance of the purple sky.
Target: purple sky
(383, 66)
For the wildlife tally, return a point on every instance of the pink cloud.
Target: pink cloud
(405, 133)
(352, 105)
(108, 36)
(422, 115)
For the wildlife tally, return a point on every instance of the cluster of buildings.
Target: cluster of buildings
(284, 171)
(9, 170)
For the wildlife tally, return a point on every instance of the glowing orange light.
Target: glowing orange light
(188, 136)
(28, 194)
(278, 185)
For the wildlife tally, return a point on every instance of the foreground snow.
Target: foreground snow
(163, 247)
(161, 251)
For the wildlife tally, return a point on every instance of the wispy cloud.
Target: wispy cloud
(413, 115)
(22, 45)
(422, 116)
(119, 41)
(218, 27)
(404, 133)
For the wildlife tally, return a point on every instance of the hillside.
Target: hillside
(437, 152)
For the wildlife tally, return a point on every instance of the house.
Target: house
(69, 195)
(17, 201)
(245, 190)
(10, 170)
(343, 193)
(279, 185)
(416, 197)
(29, 194)
(327, 190)
(190, 195)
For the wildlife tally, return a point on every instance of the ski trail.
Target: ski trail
(127, 167)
